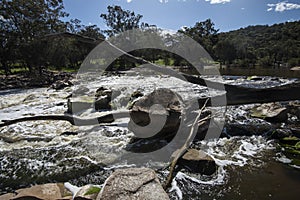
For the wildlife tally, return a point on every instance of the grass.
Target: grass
(15, 70)
(93, 190)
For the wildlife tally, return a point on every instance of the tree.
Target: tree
(119, 20)
(204, 33)
(225, 51)
(27, 21)
(91, 31)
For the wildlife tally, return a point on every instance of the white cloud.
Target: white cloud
(128, 1)
(283, 6)
(218, 1)
(163, 1)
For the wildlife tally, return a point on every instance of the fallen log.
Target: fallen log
(108, 118)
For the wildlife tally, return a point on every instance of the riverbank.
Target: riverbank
(25, 80)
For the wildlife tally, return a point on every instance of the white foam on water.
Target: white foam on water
(236, 150)
(295, 166)
(218, 180)
(176, 189)
(119, 166)
(284, 159)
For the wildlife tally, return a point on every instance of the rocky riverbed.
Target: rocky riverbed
(257, 156)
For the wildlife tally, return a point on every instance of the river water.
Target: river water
(36, 152)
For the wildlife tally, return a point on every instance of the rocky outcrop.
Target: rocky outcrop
(133, 184)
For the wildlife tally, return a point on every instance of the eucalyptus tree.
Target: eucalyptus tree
(24, 23)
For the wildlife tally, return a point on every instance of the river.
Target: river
(36, 152)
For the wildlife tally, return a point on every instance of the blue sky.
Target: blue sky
(173, 14)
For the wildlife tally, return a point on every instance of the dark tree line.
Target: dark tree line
(25, 27)
(262, 45)
(266, 46)
(31, 37)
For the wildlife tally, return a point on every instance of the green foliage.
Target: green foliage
(119, 20)
(32, 33)
(263, 45)
(204, 33)
(23, 24)
(93, 190)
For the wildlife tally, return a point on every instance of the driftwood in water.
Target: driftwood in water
(179, 153)
(108, 118)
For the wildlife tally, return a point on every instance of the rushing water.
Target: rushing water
(47, 151)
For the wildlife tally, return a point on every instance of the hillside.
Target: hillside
(263, 45)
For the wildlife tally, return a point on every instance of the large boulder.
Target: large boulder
(271, 112)
(198, 161)
(103, 98)
(161, 107)
(133, 184)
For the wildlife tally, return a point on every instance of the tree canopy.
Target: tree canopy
(32, 36)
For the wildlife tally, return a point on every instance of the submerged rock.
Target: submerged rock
(271, 112)
(255, 78)
(61, 84)
(133, 184)
(294, 108)
(281, 133)
(198, 161)
(247, 127)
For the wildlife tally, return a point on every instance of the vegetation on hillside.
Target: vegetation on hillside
(267, 46)
(35, 36)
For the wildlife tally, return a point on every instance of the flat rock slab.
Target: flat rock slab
(271, 112)
(50, 191)
(133, 184)
(47, 192)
